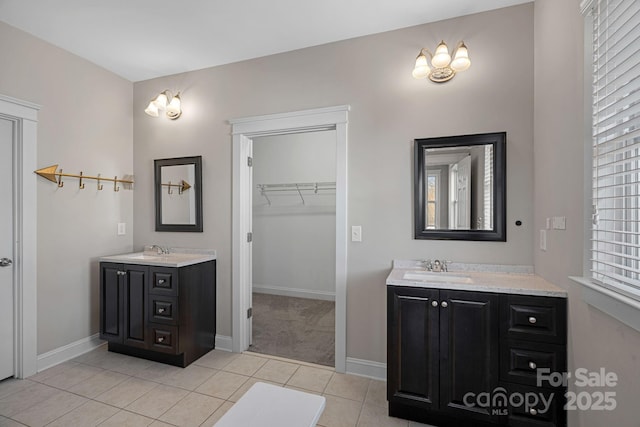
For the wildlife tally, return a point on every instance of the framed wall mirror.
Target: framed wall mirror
(460, 187)
(178, 189)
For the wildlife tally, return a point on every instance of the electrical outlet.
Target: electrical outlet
(356, 233)
(122, 228)
(543, 240)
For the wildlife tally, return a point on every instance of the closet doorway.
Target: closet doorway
(293, 246)
(245, 131)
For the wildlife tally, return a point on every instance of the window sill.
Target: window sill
(621, 307)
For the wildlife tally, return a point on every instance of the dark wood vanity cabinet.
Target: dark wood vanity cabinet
(160, 313)
(444, 348)
(533, 333)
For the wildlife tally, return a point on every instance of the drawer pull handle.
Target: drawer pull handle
(434, 303)
(533, 365)
(161, 282)
(533, 411)
(160, 339)
(161, 310)
(444, 304)
(532, 320)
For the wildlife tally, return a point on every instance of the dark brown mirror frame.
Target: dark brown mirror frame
(197, 187)
(499, 232)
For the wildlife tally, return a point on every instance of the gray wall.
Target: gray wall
(294, 244)
(595, 339)
(85, 124)
(388, 110)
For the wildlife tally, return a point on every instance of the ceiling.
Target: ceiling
(143, 39)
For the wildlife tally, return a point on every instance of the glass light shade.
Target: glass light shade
(173, 109)
(421, 70)
(441, 58)
(161, 101)
(461, 60)
(151, 109)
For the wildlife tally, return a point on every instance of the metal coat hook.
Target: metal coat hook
(60, 183)
(100, 186)
(115, 184)
(80, 184)
(182, 186)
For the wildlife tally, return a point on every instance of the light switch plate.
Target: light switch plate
(559, 222)
(356, 233)
(122, 228)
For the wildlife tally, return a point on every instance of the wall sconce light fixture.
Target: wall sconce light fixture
(161, 102)
(444, 69)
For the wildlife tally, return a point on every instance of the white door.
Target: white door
(460, 195)
(6, 249)
(250, 246)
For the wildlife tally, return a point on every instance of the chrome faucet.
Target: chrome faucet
(436, 266)
(161, 250)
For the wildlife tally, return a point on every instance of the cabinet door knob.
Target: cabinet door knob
(533, 365)
(532, 320)
(434, 303)
(161, 310)
(160, 339)
(444, 304)
(161, 281)
(533, 411)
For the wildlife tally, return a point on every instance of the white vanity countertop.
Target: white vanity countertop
(178, 257)
(468, 280)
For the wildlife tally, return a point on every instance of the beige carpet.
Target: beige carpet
(295, 328)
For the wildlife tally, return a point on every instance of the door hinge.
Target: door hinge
(249, 312)
(249, 161)
(249, 237)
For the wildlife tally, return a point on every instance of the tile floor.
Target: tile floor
(109, 389)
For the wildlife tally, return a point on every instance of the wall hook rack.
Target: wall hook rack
(50, 173)
(182, 187)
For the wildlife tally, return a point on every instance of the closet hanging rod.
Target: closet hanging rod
(298, 186)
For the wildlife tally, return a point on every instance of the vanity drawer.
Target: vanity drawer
(520, 361)
(540, 319)
(547, 412)
(164, 338)
(164, 281)
(163, 309)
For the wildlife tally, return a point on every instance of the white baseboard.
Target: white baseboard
(223, 343)
(68, 352)
(294, 292)
(367, 368)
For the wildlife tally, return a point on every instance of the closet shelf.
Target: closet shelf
(299, 187)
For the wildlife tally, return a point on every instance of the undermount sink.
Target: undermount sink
(430, 276)
(144, 256)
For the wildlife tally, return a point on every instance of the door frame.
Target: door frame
(24, 115)
(243, 131)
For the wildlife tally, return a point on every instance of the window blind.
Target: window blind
(488, 187)
(615, 244)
